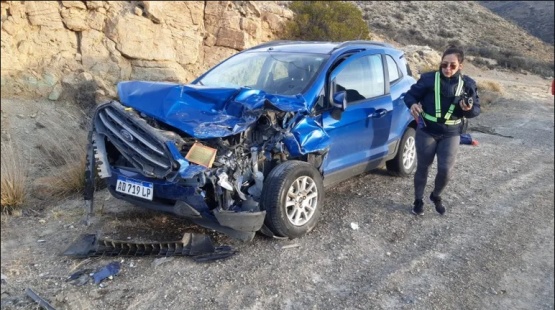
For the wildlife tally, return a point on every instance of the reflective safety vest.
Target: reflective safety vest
(447, 116)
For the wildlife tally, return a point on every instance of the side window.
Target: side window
(393, 70)
(363, 78)
(351, 79)
(376, 84)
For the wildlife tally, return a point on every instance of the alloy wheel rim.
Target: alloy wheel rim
(409, 153)
(301, 201)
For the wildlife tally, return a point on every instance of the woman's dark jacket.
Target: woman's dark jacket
(423, 92)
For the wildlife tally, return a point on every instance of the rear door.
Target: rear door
(359, 138)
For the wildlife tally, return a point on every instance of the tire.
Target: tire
(404, 163)
(296, 214)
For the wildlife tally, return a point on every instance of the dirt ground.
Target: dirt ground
(493, 249)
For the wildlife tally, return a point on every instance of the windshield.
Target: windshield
(273, 72)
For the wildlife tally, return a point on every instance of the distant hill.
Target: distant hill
(468, 24)
(536, 17)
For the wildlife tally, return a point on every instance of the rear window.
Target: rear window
(393, 69)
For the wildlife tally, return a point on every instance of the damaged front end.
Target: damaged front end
(198, 153)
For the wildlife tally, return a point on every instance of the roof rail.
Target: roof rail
(346, 43)
(271, 43)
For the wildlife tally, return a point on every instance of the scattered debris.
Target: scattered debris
(41, 301)
(292, 245)
(159, 261)
(198, 246)
(354, 226)
(466, 138)
(488, 130)
(80, 277)
(107, 271)
(82, 280)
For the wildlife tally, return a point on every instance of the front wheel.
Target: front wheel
(404, 162)
(292, 196)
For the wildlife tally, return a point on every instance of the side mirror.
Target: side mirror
(339, 104)
(340, 100)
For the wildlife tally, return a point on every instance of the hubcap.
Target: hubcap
(409, 153)
(301, 201)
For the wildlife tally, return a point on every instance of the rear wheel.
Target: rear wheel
(292, 196)
(404, 162)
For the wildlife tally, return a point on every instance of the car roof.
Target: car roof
(318, 47)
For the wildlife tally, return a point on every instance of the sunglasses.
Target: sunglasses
(452, 66)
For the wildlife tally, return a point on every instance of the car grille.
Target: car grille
(131, 136)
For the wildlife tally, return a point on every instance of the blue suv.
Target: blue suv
(251, 144)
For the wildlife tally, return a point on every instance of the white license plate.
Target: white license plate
(135, 188)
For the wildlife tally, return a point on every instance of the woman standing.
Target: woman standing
(439, 101)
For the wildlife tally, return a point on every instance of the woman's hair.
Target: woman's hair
(454, 50)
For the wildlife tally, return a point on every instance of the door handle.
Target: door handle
(379, 113)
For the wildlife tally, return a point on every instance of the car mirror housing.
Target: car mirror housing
(339, 104)
(340, 100)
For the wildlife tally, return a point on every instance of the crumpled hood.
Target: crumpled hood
(201, 111)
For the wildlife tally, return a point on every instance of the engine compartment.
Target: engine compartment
(235, 179)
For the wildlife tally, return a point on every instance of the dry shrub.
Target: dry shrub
(64, 150)
(13, 178)
(427, 67)
(488, 98)
(69, 179)
(490, 86)
(489, 92)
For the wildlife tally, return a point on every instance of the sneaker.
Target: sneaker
(437, 202)
(418, 208)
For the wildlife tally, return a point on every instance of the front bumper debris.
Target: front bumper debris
(198, 246)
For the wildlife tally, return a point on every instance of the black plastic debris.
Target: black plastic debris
(107, 271)
(198, 246)
(76, 275)
(80, 277)
(41, 301)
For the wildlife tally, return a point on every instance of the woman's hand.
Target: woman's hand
(464, 106)
(415, 110)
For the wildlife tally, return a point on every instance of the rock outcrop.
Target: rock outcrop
(52, 48)
(421, 59)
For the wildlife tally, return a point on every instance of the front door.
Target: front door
(359, 137)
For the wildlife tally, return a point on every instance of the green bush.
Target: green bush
(325, 21)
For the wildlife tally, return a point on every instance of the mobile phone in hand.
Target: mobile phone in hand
(420, 122)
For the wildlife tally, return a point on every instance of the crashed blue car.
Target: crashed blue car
(250, 145)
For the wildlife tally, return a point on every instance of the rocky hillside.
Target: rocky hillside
(466, 23)
(55, 47)
(536, 17)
